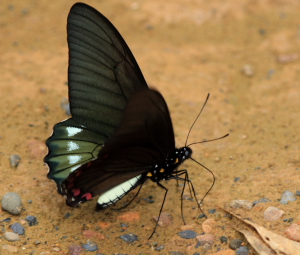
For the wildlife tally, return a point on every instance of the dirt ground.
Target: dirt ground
(245, 53)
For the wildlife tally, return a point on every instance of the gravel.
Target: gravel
(235, 243)
(262, 200)
(241, 204)
(14, 160)
(224, 239)
(242, 251)
(32, 220)
(188, 234)
(129, 238)
(18, 228)
(90, 246)
(287, 196)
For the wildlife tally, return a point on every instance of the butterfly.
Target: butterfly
(120, 133)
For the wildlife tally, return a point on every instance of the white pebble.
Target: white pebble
(272, 213)
(10, 236)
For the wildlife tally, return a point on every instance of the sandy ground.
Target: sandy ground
(185, 49)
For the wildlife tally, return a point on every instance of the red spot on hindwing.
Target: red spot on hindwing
(88, 196)
(76, 192)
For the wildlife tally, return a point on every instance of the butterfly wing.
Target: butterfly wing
(102, 76)
(143, 139)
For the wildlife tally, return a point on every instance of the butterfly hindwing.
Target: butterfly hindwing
(143, 139)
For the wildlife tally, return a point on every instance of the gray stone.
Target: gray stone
(90, 246)
(188, 234)
(18, 228)
(287, 196)
(14, 160)
(11, 202)
(130, 238)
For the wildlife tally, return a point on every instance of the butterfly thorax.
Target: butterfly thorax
(166, 170)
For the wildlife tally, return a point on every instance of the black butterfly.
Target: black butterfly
(120, 133)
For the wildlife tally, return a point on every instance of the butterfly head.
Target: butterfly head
(183, 153)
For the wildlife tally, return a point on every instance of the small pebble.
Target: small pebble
(224, 239)
(67, 215)
(243, 250)
(14, 160)
(187, 234)
(165, 219)
(6, 220)
(206, 239)
(241, 204)
(89, 233)
(272, 213)
(235, 243)
(207, 226)
(90, 246)
(202, 215)
(18, 228)
(10, 236)
(248, 70)
(198, 245)
(32, 220)
(11, 202)
(287, 196)
(212, 211)
(298, 193)
(129, 238)
(160, 248)
(148, 200)
(285, 59)
(236, 179)
(262, 200)
(293, 232)
(9, 248)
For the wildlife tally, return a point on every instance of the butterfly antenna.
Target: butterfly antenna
(209, 140)
(214, 180)
(196, 118)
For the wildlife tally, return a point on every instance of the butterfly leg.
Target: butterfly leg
(191, 188)
(161, 208)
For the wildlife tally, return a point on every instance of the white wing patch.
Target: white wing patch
(115, 194)
(72, 146)
(73, 131)
(74, 159)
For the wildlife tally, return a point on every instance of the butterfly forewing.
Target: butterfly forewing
(102, 76)
(103, 73)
